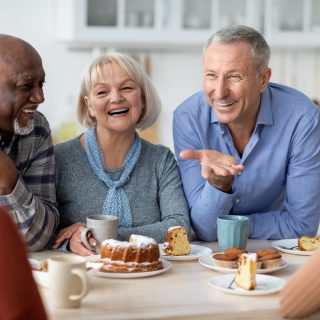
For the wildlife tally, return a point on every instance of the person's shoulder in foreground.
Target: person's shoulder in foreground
(300, 297)
(19, 295)
(27, 168)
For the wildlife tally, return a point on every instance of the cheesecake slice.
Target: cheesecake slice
(246, 273)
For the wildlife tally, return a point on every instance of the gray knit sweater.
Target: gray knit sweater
(154, 190)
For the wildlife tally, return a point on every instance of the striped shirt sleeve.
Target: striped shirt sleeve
(32, 203)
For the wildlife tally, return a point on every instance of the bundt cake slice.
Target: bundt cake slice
(177, 243)
(308, 243)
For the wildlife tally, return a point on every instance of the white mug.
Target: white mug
(68, 280)
(102, 227)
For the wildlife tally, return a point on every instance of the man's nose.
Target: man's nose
(37, 96)
(221, 89)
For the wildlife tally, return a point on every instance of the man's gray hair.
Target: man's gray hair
(260, 48)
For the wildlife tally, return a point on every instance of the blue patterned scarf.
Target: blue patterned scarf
(116, 202)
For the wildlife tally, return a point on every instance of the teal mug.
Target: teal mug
(232, 231)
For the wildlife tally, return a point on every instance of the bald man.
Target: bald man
(27, 166)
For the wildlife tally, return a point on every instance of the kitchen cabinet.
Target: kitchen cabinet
(292, 23)
(148, 24)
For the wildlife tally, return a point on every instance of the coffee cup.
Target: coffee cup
(232, 231)
(68, 281)
(102, 227)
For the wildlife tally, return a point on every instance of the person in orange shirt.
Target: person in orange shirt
(19, 296)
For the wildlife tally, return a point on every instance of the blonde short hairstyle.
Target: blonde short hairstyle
(150, 97)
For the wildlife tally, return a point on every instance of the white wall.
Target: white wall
(32, 20)
(176, 75)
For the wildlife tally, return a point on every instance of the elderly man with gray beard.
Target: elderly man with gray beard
(27, 167)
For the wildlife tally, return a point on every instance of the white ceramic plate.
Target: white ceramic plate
(207, 262)
(265, 285)
(196, 253)
(285, 245)
(94, 262)
(166, 266)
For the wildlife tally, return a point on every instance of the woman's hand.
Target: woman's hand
(73, 233)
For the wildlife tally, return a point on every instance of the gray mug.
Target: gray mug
(232, 231)
(102, 227)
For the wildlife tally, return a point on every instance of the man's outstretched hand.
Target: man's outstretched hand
(217, 168)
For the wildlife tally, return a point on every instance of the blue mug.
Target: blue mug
(232, 231)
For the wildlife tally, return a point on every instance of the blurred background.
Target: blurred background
(166, 36)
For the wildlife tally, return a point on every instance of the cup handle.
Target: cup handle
(82, 274)
(84, 239)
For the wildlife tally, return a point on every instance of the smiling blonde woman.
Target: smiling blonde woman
(109, 169)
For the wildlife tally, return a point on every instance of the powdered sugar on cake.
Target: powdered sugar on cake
(138, 255)
(142, 240)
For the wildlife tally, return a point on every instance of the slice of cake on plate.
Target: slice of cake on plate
(177, 243)
(308, 243)
(246, 274)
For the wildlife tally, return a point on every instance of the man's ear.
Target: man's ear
(265, 79)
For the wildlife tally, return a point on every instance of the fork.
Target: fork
(288, 248)
(231, 283)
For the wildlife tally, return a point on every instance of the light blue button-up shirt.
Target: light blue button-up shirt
(279, 188)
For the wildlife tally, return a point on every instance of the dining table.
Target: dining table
(181, 292)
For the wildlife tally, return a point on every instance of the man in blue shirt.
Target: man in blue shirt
(246, 146)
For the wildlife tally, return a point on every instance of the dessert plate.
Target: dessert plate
(265, 285)
(290, 246)
(166, 266)
(196, 252)
(207, 262)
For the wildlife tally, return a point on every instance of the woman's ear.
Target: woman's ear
(89, 106)
(143, 109)
(265, 79)
(143, 113)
